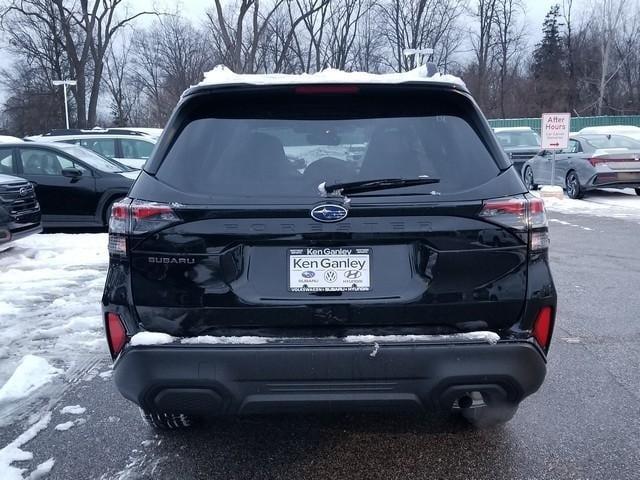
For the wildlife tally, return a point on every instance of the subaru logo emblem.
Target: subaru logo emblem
(23, 191)
(308, 274)
(329, 213)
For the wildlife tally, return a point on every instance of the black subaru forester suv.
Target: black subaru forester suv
(328, 246)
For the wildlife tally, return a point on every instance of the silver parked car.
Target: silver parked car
(591, 161)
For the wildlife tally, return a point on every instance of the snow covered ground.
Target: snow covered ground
(50, 289)
(621, 204)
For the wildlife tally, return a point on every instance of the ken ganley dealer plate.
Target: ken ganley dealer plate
(329, 269)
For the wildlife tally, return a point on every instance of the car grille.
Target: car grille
(18, 198)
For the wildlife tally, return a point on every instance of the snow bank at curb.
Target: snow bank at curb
(32, 373)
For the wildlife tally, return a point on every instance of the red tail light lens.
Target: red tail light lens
(543, 327)
(116, 333)
(596, 161)
(520, 214)
(150, 216)
(136, 217)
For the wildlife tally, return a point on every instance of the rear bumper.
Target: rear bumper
(252, 379)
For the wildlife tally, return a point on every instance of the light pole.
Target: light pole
(64, 83)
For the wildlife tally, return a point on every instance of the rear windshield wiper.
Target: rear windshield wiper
(373, 185)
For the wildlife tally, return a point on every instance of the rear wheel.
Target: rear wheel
(528, 179)
(637, 191)
(167, 421)
(572, 185)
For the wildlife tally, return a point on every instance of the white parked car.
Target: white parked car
(9, 139)
(624, 130)
(127, 147)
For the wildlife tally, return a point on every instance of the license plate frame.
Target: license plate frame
(329, 269)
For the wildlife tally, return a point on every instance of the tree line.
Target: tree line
(137, 63)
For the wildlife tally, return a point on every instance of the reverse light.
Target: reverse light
(116, 333)
(543, 327)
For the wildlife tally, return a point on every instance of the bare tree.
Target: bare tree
(509, 35)
(118, 85)
(420, 24)
(483, 40)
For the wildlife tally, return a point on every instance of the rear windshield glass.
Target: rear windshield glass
(262, 157)
(518, 139)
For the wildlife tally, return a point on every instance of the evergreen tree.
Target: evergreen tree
(549, 69)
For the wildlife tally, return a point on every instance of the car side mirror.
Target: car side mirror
(71, 173)
(543, 153)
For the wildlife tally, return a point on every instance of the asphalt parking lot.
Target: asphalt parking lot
(584, 423)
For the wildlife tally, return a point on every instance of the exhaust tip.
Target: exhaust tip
(465, 401)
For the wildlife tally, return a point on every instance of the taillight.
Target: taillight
(543, 327)
(116, 333)
(525, 214)
(597, 161)
(136, 217)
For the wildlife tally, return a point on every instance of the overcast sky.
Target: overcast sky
(194, 9)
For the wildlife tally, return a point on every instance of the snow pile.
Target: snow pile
(151, 338)
(211, 340)
(620, 204)
(32, 373)
(42, 470)
(13, 453)
(156, 338)
(221, 75)
(73, 410)
(50, 290)
(487, 337)
(63, 427)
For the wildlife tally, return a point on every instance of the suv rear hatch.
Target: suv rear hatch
(231, 230)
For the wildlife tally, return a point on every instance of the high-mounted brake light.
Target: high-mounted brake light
(525, 214)
(326, 89)
(116, 333)
(543, 327)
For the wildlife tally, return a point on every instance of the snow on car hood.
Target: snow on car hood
(221, 75)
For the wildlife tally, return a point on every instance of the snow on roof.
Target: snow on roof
(221, 75)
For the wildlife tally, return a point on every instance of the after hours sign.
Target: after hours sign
(555, 130)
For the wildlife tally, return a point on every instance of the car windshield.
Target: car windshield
(94, 159)
(518, 139)
(291, 157)
(612, 141)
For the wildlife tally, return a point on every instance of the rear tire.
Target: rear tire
(490, 415)
(637, 191)
(168, 421)
(528, 179)
(572, 185)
